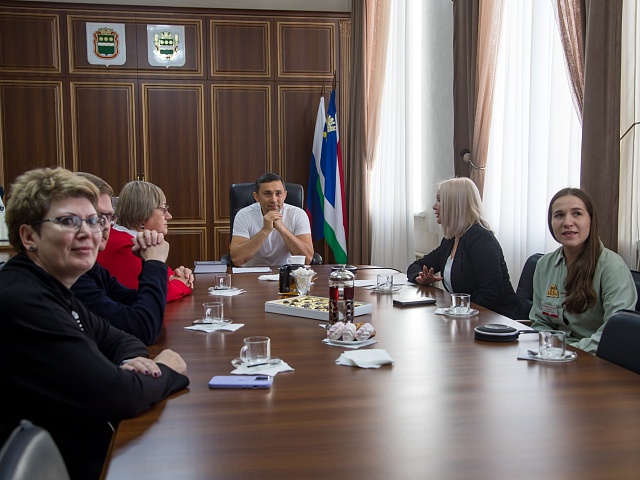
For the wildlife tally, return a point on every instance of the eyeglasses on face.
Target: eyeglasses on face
(164, 209)
(72, 223)
(109, 218)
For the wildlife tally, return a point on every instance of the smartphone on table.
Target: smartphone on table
(241, 381)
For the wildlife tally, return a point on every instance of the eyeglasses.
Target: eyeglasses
(109, 218)
(164, 209)
(72, 223)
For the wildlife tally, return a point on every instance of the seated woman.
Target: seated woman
(140, 206)
(138, 312)
(63, 367)
(469, 258)
(580, 285)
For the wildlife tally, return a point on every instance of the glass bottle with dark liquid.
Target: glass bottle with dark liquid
(341, 293)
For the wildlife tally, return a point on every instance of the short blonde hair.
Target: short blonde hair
(460, 206)
(32, 193)
(136, 203)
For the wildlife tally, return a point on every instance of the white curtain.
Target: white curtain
(629, 209)
(416, 127)
(535, 135)
(391, 212)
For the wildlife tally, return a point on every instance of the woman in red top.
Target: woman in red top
(140, 206)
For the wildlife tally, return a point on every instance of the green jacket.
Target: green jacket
(612, 282)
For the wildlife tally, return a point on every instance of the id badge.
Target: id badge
(549, 310)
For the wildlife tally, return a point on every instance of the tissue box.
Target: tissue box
(316, 308)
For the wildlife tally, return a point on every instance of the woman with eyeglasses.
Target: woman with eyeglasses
(141, 206)
(63, 367)
(140, 311)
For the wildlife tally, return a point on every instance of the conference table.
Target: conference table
(451, 407)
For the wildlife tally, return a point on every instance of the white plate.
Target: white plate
(238, 363)
(351, 343)
(376, 290)
(472, 312)
(225, 321)
(568, 356)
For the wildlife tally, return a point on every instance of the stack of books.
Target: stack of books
(210, 266)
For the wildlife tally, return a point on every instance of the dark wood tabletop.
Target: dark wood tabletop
(450, 408)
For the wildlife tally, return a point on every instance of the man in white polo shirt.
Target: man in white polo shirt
(269, 231)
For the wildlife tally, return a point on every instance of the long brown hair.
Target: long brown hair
(580, 295)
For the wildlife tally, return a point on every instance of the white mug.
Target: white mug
(296, 260)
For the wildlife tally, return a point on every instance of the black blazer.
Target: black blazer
(478, 269)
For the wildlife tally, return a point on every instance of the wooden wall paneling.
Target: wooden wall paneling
(29, 42)
(104, 130)
(78, 59)
(188, 244)
(174, 159)
(306, 49)
(242, 147)
(222, 237)
(193, 45)
(297, 111)
(240, 48)
(31, 127)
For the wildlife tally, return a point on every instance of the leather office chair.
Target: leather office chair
(31, 454)
(620, 340)
(524, 292)
(636, 279)
(241, 195)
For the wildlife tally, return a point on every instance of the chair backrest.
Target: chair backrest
(636, 279)
(31, 454)
(620, 339)
(524, 292)
(241, 195)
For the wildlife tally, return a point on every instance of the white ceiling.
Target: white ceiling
(303, 5)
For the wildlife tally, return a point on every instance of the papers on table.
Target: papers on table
(213, 327)
(263, 369)
(250, 269)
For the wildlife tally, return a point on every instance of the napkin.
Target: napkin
(270, 278)
(264, 370)
(441, 311)
(373, 358)
(354, 347)
(226, 293)
(212, 327)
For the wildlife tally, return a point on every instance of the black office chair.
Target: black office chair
(241, 195)
(620, 340)
(524, 292)
(636, 279)
(31, 454)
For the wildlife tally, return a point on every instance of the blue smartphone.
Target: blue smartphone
(241, 381)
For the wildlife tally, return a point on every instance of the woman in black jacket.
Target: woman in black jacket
(469, 258)
(62, 367)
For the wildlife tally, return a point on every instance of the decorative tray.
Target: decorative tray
(310, 307)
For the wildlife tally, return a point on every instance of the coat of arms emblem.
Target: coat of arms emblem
(166, 45)
(106, 43)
